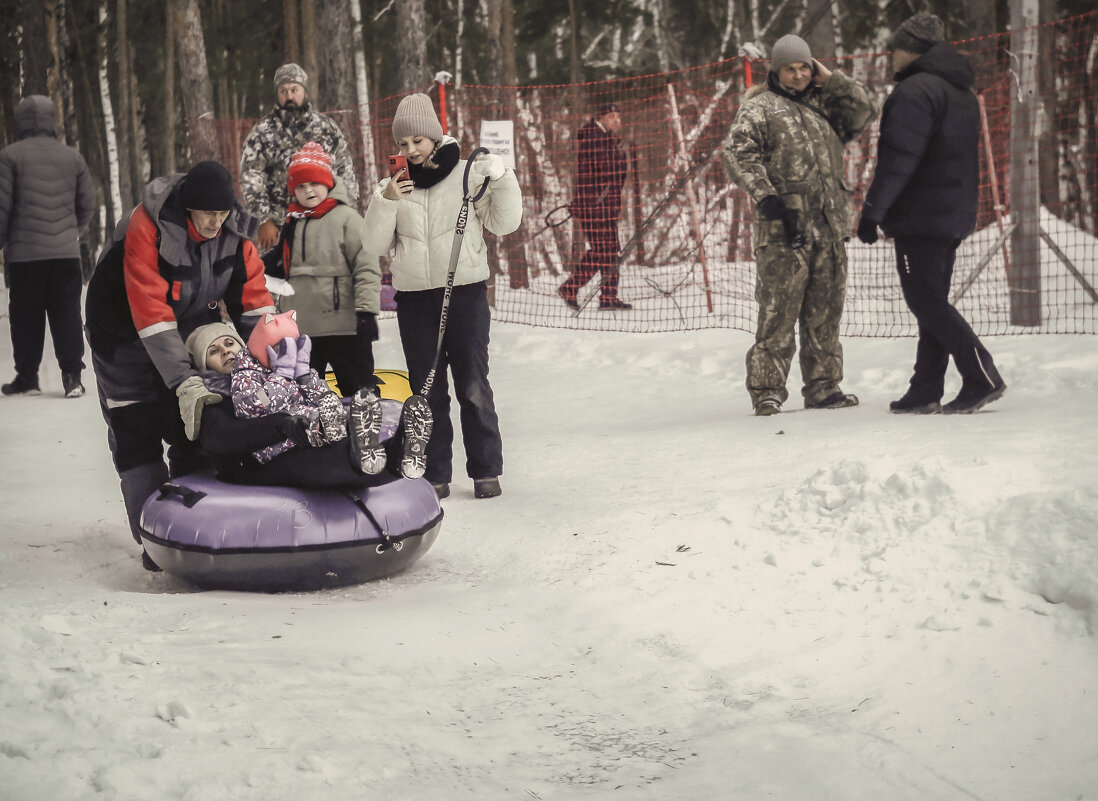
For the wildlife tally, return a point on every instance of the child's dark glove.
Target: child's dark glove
(284, 360)
(366, 327)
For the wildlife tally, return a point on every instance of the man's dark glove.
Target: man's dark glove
(794, 237)
(867, 231)
(772, 207)
(366, 326)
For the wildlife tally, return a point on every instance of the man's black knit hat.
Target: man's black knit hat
(919, 33)
(208, 186)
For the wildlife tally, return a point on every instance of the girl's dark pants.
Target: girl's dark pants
(465, 357)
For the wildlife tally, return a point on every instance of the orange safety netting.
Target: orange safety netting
(685, 229)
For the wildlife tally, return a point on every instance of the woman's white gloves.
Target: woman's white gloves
(489, 166)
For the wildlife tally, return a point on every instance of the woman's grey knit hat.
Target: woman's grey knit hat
(790, 49)
(919, 33)
(415, 116)
(202, 337)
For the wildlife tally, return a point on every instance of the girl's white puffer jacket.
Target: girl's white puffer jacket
(421, 227)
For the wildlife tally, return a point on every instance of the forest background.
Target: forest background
(128, 75)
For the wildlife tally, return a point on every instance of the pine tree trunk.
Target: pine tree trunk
(818, 29)
(168, 142)
(308, 45)
(290, 28)
(34, 51)
(982, 17)
(335, 61)
(412, 45)
(194, 79)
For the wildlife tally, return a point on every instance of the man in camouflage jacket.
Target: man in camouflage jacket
(785, 149)
(265, 159)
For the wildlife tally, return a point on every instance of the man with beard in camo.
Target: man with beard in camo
(265, 159)
(785, 150)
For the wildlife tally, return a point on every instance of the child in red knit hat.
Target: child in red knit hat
(336, 284)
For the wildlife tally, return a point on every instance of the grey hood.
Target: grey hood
(36, 115)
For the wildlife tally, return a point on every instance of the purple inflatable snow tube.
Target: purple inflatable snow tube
(232, 536)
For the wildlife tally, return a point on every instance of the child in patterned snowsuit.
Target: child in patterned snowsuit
(272, 375)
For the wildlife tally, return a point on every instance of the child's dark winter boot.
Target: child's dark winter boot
(332, 421)
(365, 426)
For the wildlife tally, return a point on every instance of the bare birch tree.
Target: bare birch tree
(362, 95)
(115, 210)
(412, 68)
(129, 163)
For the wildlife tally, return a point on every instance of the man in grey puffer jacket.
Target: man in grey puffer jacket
(46, 200)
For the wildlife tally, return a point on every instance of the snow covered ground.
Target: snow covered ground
(672, 600)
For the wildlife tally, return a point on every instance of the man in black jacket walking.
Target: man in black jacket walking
(601, 167)
(924, 196)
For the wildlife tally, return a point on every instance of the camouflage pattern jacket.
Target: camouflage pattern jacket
(793, 148)
(265, 159)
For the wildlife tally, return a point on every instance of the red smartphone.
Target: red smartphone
(396, 164)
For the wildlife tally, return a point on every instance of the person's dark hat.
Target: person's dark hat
(208, 186)
(919, 33)
(607, 108)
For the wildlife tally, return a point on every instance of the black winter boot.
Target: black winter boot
(70, 382)
(138, 483)
(22, 385)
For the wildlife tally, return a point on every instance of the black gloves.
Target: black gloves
(793, 236)
(773, 207)
(867, 231)
(366, 326)
(294, 429)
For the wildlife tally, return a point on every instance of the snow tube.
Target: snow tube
(241, 537)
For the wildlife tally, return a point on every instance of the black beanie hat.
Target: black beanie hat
(208, 186)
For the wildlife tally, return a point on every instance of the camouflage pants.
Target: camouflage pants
(808, 287)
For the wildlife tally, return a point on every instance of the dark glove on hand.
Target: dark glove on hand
(772, 207)
(284, 360)
(295, 430)
(791, 223)
(867, 231)
(366, 326)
